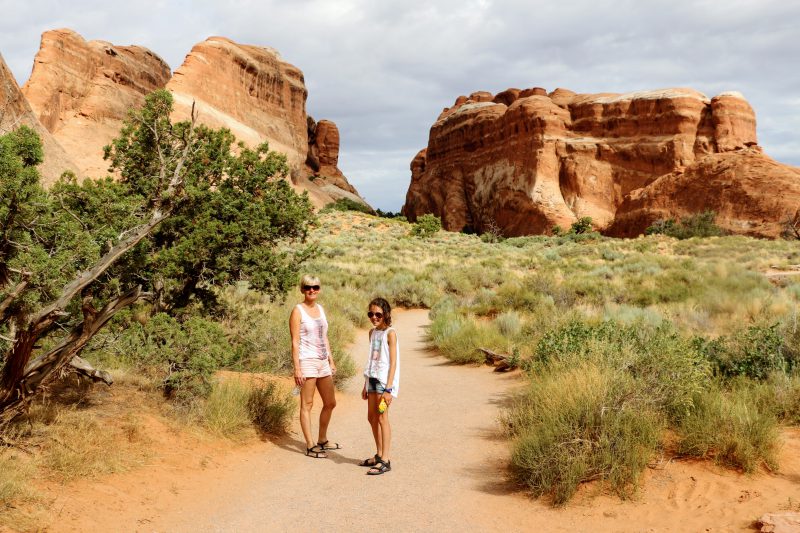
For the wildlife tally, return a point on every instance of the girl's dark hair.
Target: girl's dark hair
(385, 307)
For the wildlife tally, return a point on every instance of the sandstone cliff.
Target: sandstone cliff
(258, 96)
(81, 91)
(526, 160)
(16, 111)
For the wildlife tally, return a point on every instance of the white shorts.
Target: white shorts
(315, 368)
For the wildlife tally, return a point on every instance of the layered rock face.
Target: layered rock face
(258, 96)
(526, 160)
(751, 194)
(16, 111)
(82, 90)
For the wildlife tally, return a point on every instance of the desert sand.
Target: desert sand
(448, 474)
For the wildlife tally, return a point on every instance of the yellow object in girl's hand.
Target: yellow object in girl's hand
(382, 406)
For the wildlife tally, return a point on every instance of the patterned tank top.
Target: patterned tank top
(313, 332)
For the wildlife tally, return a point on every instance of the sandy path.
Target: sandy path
(448, 475)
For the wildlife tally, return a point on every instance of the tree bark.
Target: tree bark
(21, 377)
(42, 369)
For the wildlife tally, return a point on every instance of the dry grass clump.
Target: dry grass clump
(234, 408)
(731, 430)
(271, 408)
(81, 444)
(224, 412)
(587, 422)
(16, 473)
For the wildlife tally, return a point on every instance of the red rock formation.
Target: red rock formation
(260, 97)
(751, 194)
(526, 161)
(16, 111)
(81, 91)
(323, 156)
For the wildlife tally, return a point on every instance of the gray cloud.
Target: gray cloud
(384, 70)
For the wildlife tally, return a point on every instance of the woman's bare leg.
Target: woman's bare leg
(328, 394)
(374, 417)
(306, 403)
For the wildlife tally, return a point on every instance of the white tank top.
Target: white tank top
(313, 332)
(378, 363)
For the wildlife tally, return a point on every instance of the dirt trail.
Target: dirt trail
(448, 474)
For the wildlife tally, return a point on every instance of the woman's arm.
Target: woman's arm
(330, 354)
(294, 329)
(392, 341)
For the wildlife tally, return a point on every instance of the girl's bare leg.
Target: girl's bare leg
(306, 403)
(328, 394)
(374, 417)
(386, 434)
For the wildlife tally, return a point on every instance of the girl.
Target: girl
(381, 384)
(313, 364)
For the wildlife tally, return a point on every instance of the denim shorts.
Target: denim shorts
(374, 385)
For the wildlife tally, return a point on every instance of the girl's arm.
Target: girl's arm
(294, 329)
(392, 341)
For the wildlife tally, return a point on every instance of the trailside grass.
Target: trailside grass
(630, 347)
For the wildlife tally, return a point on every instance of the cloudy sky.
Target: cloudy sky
(384, 69)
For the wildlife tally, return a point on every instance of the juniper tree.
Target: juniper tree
(185, 216)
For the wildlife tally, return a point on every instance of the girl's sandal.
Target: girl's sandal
(316, 452)
(372, 461)
(324, 446)
(381, 468)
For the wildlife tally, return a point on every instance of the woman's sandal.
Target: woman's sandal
(372, 461)
(324, 446)
(316, 452)
(381, 468)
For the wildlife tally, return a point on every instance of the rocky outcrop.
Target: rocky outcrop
(82, 90)
(526, 160)
(16, 111)
(260, 97)
(750, 193)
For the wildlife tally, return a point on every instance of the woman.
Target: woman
(313, 364)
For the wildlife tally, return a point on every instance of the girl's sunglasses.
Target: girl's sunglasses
(376, 315)
(309, 287)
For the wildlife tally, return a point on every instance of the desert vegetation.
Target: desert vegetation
(631, 350)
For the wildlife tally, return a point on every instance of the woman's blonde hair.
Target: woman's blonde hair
(308, 279)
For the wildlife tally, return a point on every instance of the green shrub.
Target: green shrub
(426, 226)
(582, 225)
(697, 225)
(348, 204)
(271, 408)
(670, 367)
(182, 354)
(754, 352)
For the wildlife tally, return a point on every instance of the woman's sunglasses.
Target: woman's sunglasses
(309, 287)
(376, 315)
